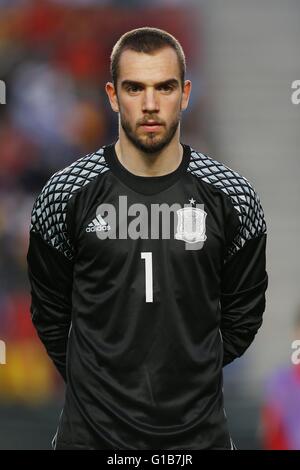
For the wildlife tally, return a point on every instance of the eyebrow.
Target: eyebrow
(170, 81)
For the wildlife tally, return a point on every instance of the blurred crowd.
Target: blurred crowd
(280, 410)
(54, 59)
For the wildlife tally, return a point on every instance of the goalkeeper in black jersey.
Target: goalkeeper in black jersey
(147, 269)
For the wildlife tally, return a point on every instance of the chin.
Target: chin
(152, 147)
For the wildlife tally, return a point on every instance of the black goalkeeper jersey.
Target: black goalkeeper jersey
(142, 289)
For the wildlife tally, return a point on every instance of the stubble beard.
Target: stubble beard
(153, 142)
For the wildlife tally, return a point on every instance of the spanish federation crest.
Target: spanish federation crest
(191, 225)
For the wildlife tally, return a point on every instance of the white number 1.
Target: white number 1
(147, 256)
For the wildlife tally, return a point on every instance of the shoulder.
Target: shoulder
(48, 216)
(76, 175)
(234, 186)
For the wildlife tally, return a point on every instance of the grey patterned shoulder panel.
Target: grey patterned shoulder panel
(242, 194)
(48, 217)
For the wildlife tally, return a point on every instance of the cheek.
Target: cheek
(173, 110)
(130, 111)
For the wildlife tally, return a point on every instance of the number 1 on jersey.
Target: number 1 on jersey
(147, 256)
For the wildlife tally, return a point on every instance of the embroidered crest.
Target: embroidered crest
(191, 225)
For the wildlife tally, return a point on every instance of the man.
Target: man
(147, 268)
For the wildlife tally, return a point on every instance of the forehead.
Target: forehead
(154, 67)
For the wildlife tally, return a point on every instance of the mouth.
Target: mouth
(151, 126)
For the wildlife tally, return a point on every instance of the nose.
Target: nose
(150, 100)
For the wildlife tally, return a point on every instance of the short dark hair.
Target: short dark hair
(145, 40)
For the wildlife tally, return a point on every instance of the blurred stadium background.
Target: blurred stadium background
(54, 58)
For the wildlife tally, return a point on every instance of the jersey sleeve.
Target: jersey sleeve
(244, 277)
(50, 260)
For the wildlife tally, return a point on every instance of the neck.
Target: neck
(142, 164)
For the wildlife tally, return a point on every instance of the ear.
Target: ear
(186, 94)
(112, 96)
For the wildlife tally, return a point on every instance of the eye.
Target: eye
(133, 88)
(165, 87)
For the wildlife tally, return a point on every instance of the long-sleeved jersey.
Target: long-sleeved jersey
(143, 288)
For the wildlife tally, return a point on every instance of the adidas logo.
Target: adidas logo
(98, 225)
